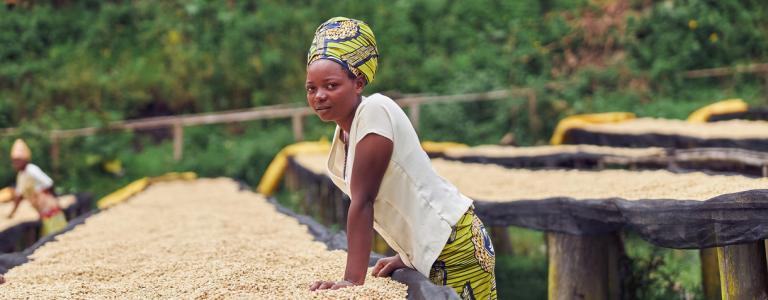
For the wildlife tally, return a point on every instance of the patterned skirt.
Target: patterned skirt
(53, 222)
(467, 262)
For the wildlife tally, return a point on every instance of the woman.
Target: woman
(377, 160)
(37, 187)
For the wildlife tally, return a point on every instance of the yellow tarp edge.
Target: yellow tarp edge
(440, 147)
(139, 185)
(174, 176)
(577, 121)
(270, 181)
(703, 114)
(123, 193)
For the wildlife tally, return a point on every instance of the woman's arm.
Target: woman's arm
(372, 155)
(16, 200)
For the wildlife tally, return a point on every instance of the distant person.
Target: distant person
(376, 158)
(36, 187)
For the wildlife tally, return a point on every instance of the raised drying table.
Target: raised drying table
(586, 209)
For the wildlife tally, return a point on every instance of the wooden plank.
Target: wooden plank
(55, 154)
(8, 131)
(710, 273)
(742, 156)
(178, 141)
(413, 113)
(743, 271)
(264, 112)
(583, 266)
(534, 122)
(726, 71)
(493, 95)
(203, 119)
(501, 242)
(297, 122)
(246, 116)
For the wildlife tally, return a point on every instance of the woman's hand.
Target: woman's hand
(330, 285)
(385, 266)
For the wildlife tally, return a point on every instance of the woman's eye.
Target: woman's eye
(310, 89)
(331, 86)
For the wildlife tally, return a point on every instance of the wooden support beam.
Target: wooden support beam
(414, 110)
(493, 95)
(297, 122)
(55, 153)
(710, 155)
(534, 122)
(178, 141)
(727, 71)
(583, 267)
(501, 242)
(743, 271)
(710, 273)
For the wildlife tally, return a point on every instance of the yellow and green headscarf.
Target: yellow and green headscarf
(350, 43)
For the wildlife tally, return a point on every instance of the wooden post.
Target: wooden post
(765, 92)
(766, 88)
(297, 121)
(291, 179)
(710, 275)
(534, 123)
(765, 170)
(178, 141)
(501, 242)
(413, 112)
(55, 150)
(583, 267)
(743, 273)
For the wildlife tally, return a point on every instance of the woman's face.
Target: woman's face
(18, 164)
(331, 93)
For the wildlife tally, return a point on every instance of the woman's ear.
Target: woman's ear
(359, 84)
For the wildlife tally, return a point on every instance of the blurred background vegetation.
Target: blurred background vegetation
(71, 64)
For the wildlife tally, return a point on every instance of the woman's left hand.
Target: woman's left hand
(330, 285)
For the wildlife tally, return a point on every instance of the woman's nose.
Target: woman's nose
(320, 96)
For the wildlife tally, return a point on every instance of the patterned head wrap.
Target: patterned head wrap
(20, 150)
(350, 43)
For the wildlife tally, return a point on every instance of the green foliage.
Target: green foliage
(125, 59)
(686, 34)
(661, 273)
(523, 275)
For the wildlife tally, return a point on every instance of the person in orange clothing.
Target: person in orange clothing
(36, 187)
